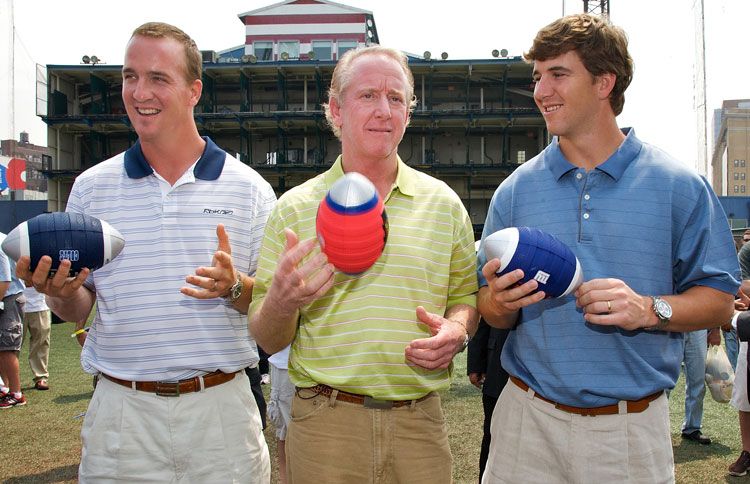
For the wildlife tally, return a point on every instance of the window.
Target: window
(323, 49)
(521, 156)
(736, 176)
(736, 189)
(742, 176)
(736, 162)
(742, 188)
(291, 47)
(263, 51)
(345, 45)
(742, 162)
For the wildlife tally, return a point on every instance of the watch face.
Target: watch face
(663, 309)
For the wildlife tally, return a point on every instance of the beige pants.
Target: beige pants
(213, 436)
(336, 442)
(533, 442)
(37, 325)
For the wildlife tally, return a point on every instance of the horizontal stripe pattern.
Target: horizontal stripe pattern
(353, 338)
(145, 329)
(641, 217)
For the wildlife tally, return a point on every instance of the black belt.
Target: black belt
(364, 400)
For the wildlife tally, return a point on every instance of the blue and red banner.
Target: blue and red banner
(12, 174)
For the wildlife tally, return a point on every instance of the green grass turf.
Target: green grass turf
(42, 445)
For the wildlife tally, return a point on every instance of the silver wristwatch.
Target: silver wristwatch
(663, 311)
(236, 290)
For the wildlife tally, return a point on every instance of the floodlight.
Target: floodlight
(94, 59)
(370, 35)
(252, 59)
(86, 59)
(495, 53)
(504, 52)
(245, 58)
(444, 55)
(311, 55)
(427, 55)
(284, 56)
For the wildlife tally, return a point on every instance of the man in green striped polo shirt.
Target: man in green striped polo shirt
(370, 351)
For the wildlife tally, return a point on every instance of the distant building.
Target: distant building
(22, 167)
(730, 168)
(476, 120)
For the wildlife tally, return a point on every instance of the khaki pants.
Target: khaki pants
(534, 442)
(211, 436)
(338, 442)
(37, 325)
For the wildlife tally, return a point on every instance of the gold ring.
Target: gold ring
(609, 307)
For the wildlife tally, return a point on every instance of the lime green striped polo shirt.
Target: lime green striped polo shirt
(353, 338)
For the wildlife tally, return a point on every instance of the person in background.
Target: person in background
(369, 352)
(694, 365)
(11, 333)
(588, 372)
(485, 373)
(280, 404)
(37, 324)
(740, 325)
(172, 402)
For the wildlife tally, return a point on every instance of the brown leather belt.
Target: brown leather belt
(633, 406)
(175, 389)
(364, 400)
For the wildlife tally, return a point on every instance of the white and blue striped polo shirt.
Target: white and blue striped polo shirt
(144, 328)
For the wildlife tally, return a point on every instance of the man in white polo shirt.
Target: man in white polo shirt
(172, 402)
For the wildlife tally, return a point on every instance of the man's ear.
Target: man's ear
(335, 108)
(605, 83)
(196, 88)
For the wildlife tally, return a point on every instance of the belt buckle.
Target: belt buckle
(378, 404)
(167, 389)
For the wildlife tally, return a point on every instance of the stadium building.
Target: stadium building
(475, 122)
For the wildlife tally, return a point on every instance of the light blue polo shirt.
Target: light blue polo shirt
(642, 217)
(144, 328)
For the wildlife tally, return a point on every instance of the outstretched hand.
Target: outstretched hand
(296, 284)
(215, 280)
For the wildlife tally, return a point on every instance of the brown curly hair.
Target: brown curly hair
(602, 47)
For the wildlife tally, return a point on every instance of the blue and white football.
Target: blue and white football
(540, 255)
(83, 240)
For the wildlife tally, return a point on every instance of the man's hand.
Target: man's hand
(59, 286)
(611, 302)
(216, 280)
(503, 297)
(713, 338)
(477, 379)
(437, 351)
(296, 284)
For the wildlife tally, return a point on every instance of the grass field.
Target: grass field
(42, 443)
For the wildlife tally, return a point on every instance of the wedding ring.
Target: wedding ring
(609, 307)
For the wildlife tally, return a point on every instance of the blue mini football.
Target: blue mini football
(540, 255)
(83, 240)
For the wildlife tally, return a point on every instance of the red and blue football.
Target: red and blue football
(83, 240)
(540, 255)
(351, 224)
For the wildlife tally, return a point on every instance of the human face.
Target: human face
(372, 111)
(570, 99)
(158, 99)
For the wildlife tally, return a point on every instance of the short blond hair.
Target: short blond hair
(343, 72)
(161, 30)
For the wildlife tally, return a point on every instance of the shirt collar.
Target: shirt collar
(208, 167)
(614, 166)
(405, 177)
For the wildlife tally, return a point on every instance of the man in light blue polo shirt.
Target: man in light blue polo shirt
(173, 402)
(589, 371)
